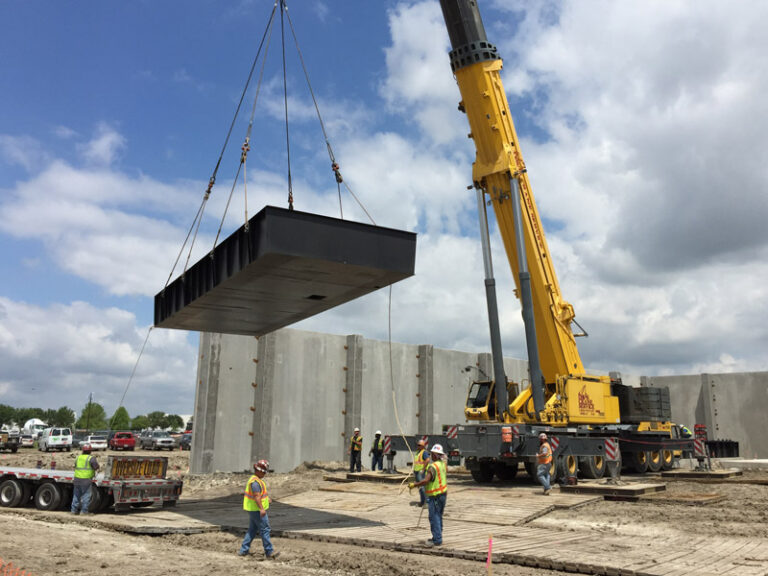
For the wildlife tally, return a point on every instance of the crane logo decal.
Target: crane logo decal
(586, 406)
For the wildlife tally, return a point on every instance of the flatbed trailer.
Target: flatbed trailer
(125, 482)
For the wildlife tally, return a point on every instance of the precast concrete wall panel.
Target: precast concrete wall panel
(307, 419)
(738, 404)
(378, 408)
(234, 419)
(451, 387)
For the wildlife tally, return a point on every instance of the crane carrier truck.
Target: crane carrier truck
(589, 418)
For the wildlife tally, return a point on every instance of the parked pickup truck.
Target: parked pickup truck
(123, 441)
(126, 482)
(10, 440)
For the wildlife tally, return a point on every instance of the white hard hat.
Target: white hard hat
(542, 436)
(356, 430)
(437, 449)
(378, 433)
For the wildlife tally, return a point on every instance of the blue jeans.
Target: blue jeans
(377, 459)
(257, 526)
(542, 473)
(81, 498)
(436, 506)
(422, 493)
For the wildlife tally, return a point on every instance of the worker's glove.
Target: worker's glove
(411, 485)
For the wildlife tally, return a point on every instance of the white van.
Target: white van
(55, 439)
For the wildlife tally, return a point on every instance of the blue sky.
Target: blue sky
(643, 127)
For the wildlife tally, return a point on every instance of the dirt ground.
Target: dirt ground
(58, 543)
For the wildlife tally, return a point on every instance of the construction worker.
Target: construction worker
(256, 503)
(436, 485)
(419, 465)
(685, 432)
(377, 449)
(85, 469)
(355, 450)
(544, 461)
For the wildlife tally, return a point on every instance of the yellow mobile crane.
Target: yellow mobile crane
(584, 410)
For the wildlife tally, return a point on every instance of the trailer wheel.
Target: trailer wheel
(14, 449)
(592, 467)
(506, 472)
(667, 459)
(95, 504)
(48, 496)
(107, 500)
(11, 493)
(654, 461)
(637, 461)
(483, 474)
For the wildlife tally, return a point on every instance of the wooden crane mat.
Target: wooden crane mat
(699, 474)
(381, 516)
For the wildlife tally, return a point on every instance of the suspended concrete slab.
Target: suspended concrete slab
(283, 267)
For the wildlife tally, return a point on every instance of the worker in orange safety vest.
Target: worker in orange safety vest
(544, 462)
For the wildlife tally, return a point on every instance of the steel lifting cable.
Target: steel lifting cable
(212, 180)
(284, 9)
(246, 144)
(133, 372)
(334, 164)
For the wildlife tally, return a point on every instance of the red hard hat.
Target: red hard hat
(85, 448)
(261, 466)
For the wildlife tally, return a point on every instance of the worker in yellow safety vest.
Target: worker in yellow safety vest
(377, 450)
(355, 451)
(436, 488)
(256, 502)
(420, 462)
(85, 469)
(544, 463)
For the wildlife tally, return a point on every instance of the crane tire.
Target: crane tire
(592, 467)
(637, 461)
(506, 472)
(530, 469)
(48, 496)
(11, 493)
(667, 459)
(483, 474)
(654, 461)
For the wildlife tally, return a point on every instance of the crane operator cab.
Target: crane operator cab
(481, 399)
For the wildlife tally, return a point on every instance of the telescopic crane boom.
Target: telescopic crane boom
(558, 382)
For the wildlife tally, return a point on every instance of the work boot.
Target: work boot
(546, 492)
(273, 556)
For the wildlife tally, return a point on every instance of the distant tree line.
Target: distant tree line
(92, 417)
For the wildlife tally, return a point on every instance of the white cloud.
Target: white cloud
(59, 354)
(23, 151)
(104, 147)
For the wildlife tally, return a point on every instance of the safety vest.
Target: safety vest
(420, 462)
(438, 484)
(250, 497)
(83, 467)
(378, 444)
(544, 458)
(356, 443)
